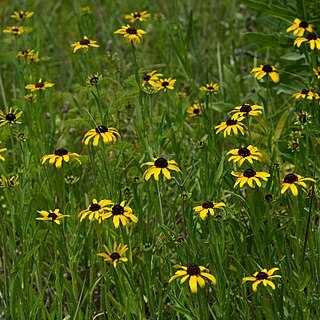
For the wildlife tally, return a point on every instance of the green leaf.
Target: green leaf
(306, 277)
(280, 125)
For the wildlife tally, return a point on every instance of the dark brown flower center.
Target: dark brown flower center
(249, 173)
(267, 68)
(117, 210)
(84, 42)
(94, 80)
(303, 24)
(311, 36)
(304, 91)
(262, 276)
(210, 88)
(101, 129)
(136, 15)
(196, 111)
(244, 152)
(207, 205)
(165, 84)
(295, 145)
(115, 256)
(131, 30)
(95, 207)
(53, 216)
(39, 85)
(15, 29)
(61, 152)
(10, 117)
(25, 52)
(290, 178)
(231, 122)
(193, 269)
(146, 77)
(303, 118)
(268, 197)
(161, 163)
(245, 108)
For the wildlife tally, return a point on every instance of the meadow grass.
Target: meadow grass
(53, 271)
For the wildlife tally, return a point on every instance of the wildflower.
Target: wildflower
(159, 16)
(306, 93)
(59, 156)
(264, 70)
(95, 210)
(137, 16)
(85, 10)
(11, 117)
(131, 34)
(291, 181)
(33, 58)
(21, 15)
(201, 144)
(1, 151)
(249, 153)
(24, 53)
(9, 183)
(208, 207)
(262, 276)
(195, 110)
(30, 97)
(246, 109)
(94, 79)
(71, 179)
(165, 84)
(54, 216)
(299, 27)
(20, 136)
(249, 176)
(84, 44)
(268, 197)
(160, 165)
(311, 38)
(40, 85)
(17, 31)
(231, 125)
(151, 78)
(210, 87)
(106, 134)
(293, 145)
(195, 273)
(303, 118)
(116, 255)
(185, 195)
(317, 72)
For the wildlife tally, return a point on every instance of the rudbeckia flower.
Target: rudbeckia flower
(311, 38)
(138, 16)
(291, 181)
(39, 86)
(160, 165)
(11, 117)
(21, 15)
(116, 255)
(196, 275)
(30, 97)
(106, 134)
(84, 44)
(59, 156)
(306, 93)
(249, 153)
(246, 109)
(195, 110)
(131, 34)
(120, 213)
(299, 27)
(208, 207)
(9, 183)
(210, 87)
(231, 125)
(25, 53)
(17, 31)
(54, 216)
(165, 84)
(264, 70)
(94, 79)
(317, 72)
(95, 210)
(1, 151)
(250, 176)
(263, 276)
(151, 78)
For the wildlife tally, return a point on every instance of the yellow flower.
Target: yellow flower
(25, 53)
(85, 10)
(59, 156)
(116, 255)
(299, 27)
(317, 72)
(137, 16)
(151, 78)
(131, 34)
(84, 44)
(246, 109)
(1, 151)
(306, 93)
(11, 117)
(106, 134)
(54, 216)
(264, 70)
(195, 273)
(165, 84)
(39, 86)
(208, 207)
(9, 183)
(30, 97)
(160, 165)
(291, 181)
(249, 153)
(311, 38)
(250, 176)
(262, 276)
(95, 210)
(21, 15)
(33, 58)
(195, 110)
(17, 31)
(210, 87)
(231, 125)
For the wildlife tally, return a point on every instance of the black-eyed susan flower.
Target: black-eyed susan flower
(299, 27)
(9, 183)
(303, 118)
(131, 33)
(138, 16)
(39, 86)
(95, 210)
(160, 165)
(33, 58)
(249, 153)
(11, 117)
(1, 151)
(22, 15)
(291, 181)
(164, 84)
(264, 70)
(246, 109)
(25, 53)
(151, 78)
(264, 277)
(17, 31)
(94, 79)
(250, 177)
(84, 44)
(311, 38)
(306, 93)
(30, 97)
(59, 156)
(210, 87)
(317, 72)
(54, 216)
(106, 134)
(196, 275)
(231, 125)
(208, 208)
(116, 255)
(195, 110)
